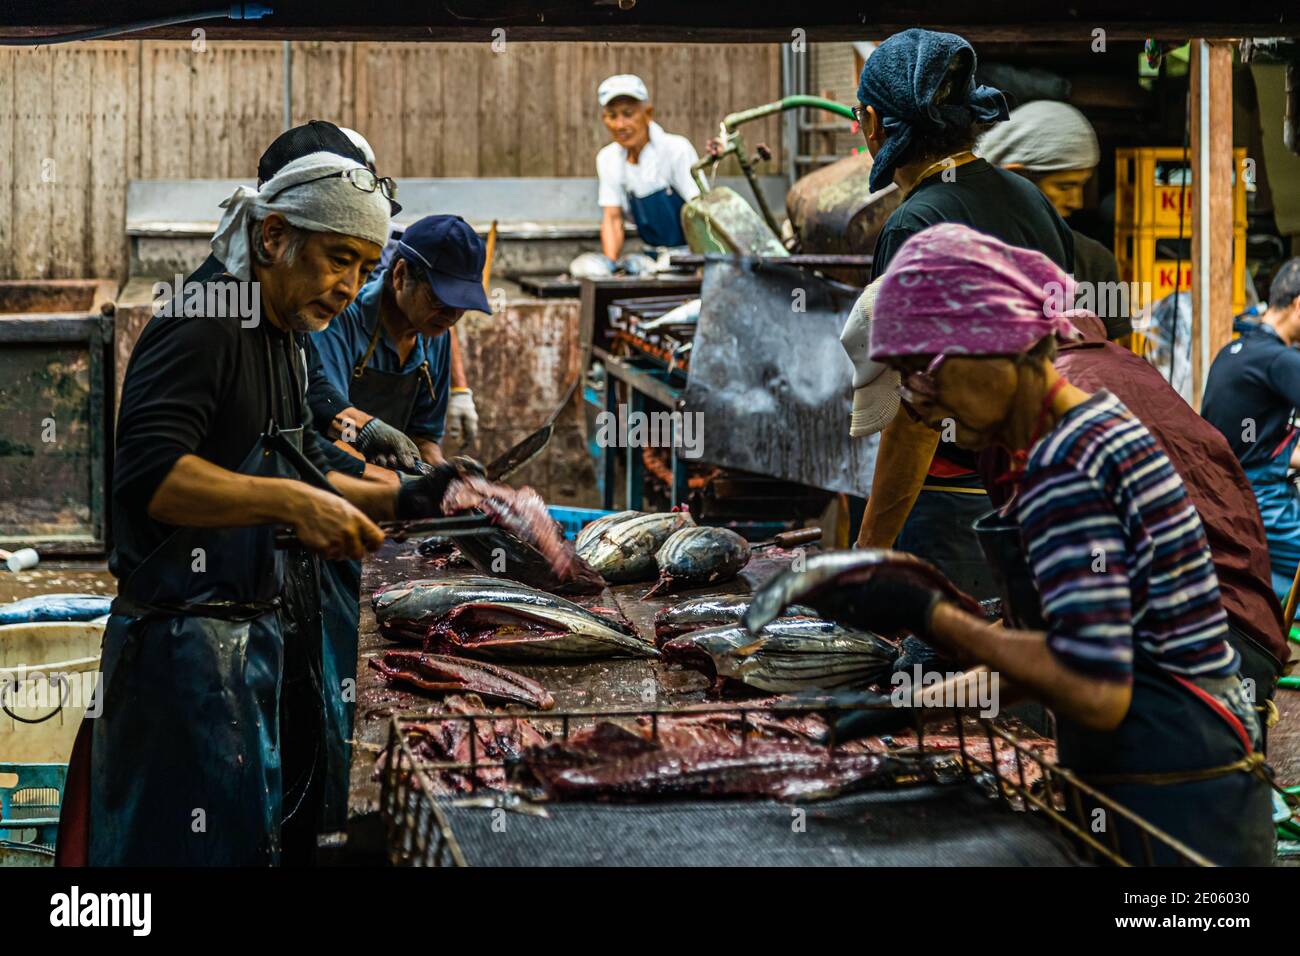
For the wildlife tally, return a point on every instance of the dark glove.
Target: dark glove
(422, 497)
(882, 717)
(886, 603)
(383, 444)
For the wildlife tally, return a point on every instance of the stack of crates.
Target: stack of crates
(1146, 224)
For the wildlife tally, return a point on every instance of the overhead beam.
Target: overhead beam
(688, 21)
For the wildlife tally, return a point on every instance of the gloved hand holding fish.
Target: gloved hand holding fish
(523, 541)
(881, 590)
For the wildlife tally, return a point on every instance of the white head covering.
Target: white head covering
(1044, 136)
(623, 84)
(360, 142)
(875, 385)
(318, 202)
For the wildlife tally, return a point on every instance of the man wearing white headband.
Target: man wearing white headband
(210, 733)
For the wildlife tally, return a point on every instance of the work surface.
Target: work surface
(950, 825)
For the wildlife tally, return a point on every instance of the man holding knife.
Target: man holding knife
(210, 746)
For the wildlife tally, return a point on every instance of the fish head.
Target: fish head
(826, 585)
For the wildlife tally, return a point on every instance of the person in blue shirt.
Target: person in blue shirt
(388, 351)
(1251, 395)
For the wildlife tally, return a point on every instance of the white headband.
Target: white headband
(318, 202)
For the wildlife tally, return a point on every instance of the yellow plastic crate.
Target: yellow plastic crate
(1154, 272)
(1142, 201)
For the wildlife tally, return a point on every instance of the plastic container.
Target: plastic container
(1149, 189)
(575, 519)
(32, 658)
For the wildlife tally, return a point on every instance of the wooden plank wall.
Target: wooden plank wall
(77, 122)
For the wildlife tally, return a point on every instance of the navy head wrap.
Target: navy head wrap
(900, 80)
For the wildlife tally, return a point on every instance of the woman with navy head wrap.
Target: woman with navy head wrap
(921, 112)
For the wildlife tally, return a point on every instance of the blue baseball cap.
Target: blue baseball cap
(450, 255)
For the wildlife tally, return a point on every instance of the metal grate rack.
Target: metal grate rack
(420, 834)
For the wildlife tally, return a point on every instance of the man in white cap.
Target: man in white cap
(211, 747)
(645, 173)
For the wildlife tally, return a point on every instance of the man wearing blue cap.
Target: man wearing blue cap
(386, 351)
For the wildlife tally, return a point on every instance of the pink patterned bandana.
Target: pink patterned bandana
(953, 291)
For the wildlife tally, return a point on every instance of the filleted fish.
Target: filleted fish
(523, 543)
(790, 654)
(625, 550)
(694, 557)
(442, 674)
(529, 632)
(406, 611)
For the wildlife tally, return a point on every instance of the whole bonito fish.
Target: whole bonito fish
(710, 611)
(406, 611)
(593, 530)
(790, 654)
(828, 582)
(440, 674)
(528, 632)
(697, 556)
(625, 550)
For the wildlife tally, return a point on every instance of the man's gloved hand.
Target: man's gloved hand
(462, 417)
(383, 444)
(876, 714)
(422, 497)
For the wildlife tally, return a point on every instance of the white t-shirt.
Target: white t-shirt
(664, 161)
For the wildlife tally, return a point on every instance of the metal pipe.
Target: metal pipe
(1202, 183)
(288, 85)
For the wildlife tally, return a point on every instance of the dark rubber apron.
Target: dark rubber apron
(938, 529)
(211, 727)
(1182, 759)
(387, 395)
(658, 217)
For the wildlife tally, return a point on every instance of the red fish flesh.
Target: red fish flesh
(524, 542)
(448, 741)
(440, 674)
(616, 764)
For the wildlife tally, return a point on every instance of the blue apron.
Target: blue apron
(1279, 506)
(658, 217)
(210, 738)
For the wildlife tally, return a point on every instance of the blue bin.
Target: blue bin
(574, 519)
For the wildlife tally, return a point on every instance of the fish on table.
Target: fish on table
(830, 582)
(790, 654)
(594, 528)
(694, 557)
(624, 551)
(443, 674)
(528, 632)
(405, 611)
(695, 614)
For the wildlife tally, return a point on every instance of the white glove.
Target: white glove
(462, 416)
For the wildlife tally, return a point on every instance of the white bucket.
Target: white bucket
(48, 675)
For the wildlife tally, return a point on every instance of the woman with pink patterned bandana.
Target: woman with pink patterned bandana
(1127, 642)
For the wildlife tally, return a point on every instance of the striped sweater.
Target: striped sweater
(1117, 550)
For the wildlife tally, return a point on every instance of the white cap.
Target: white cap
(361, 143)
(875, 385)
(624, 84)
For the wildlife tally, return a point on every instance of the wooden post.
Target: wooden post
(1212, 182)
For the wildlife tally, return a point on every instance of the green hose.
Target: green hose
(1292, 683)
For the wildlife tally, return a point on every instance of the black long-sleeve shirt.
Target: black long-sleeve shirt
(201, 386)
